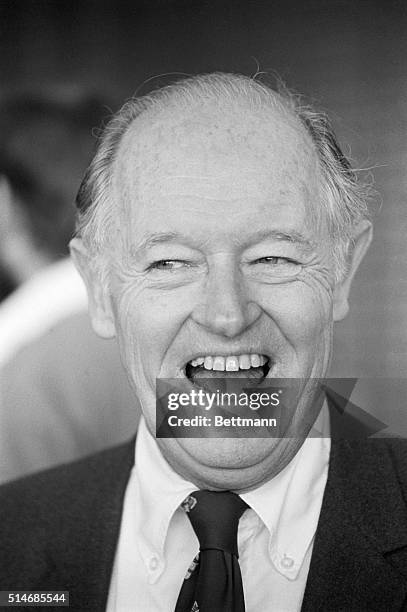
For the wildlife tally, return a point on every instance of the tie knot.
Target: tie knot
(215, 518)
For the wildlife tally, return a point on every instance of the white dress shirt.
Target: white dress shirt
(157, 543)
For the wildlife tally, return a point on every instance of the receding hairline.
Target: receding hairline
(190, 100)
(173, 113)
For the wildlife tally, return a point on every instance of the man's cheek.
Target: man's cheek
(301, 312)
(148, 327)
(290, 302)
(312, 300)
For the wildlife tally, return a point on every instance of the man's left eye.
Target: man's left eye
(276, 261)
(274, 268)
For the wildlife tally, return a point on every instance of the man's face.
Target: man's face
(218, 254)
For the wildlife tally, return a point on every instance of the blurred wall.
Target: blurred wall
(349, 56)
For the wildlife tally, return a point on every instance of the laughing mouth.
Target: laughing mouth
(253, 366)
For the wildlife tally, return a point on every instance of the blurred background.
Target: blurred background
(348, 57)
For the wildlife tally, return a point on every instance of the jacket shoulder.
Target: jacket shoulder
(53, 509)
(50, 488)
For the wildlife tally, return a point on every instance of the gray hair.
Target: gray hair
(344, 195)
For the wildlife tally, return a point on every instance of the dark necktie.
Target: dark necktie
(213, 582)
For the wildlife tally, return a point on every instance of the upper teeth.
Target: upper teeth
(231, 363)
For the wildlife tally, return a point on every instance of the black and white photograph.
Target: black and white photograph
(203, 305)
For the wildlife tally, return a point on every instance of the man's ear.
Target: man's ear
(361, 239)
(100, 304)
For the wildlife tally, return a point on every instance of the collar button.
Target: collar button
(287, 562)
(153, 563)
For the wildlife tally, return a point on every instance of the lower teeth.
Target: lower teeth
(199, 372)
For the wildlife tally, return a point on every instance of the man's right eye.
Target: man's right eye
(168, 264)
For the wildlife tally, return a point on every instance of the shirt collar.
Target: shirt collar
(161, 491)
(288, 505)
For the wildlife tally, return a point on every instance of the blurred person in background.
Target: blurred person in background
(57, 382)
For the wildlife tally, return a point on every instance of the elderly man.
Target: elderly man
(219, 229)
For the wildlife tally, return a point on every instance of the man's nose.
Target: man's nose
(226, 309)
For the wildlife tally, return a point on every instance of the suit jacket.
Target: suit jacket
(59, 529)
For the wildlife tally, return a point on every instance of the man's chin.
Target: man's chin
(228, 463)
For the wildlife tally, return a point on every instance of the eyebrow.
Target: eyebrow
(159, 238)
(282, 235)
(291, 236)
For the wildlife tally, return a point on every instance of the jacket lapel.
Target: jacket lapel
(82, 553)
(359, 559)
